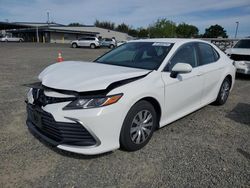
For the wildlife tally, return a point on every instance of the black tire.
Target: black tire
(6, 41)
(92, 46)
(20, 40)
(130, 129)
(111, 46)
(74, 45)
(224, 92)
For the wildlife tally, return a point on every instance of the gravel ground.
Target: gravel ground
(208, 148)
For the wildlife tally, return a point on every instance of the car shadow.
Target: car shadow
(242, 76)
(67, 153)
(243, 153)
(240, 114)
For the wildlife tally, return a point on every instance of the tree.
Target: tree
(186, 31)
(143, 33)
(123, 28)
(133, 32)
(75, 24)
(105, 24)
(162, 28)
(215, 31)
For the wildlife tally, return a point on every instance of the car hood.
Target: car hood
(238, 51)
(85, 76)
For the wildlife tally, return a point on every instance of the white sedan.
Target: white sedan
(11, 39)
(240, 53)
(119, 100)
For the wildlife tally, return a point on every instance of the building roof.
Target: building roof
(15, 27)
(18, 25)
(37, 24)
(52, 29)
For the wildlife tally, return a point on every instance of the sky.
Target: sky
(136, 13)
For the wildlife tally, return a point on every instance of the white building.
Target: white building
(100, 32)
(58, 33)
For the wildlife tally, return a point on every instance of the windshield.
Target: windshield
(144, 55)
(242, 44)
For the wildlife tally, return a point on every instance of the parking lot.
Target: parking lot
(208, 148)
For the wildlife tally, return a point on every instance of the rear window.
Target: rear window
(90, 38)
(87, 38)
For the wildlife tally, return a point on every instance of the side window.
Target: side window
(185, 54)
(207, 54)
(216, 55)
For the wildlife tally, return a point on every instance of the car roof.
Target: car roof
(168, 40)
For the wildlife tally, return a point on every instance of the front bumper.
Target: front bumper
(95, 131)
(43, 125)
(243, 67)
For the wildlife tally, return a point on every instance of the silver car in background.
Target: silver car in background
(92, 42)
(108, 42)
(11, 39)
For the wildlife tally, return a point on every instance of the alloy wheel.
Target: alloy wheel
(225, 91)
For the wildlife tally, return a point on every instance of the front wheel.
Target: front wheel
(224, 92)
(20, 40)
(138, 126)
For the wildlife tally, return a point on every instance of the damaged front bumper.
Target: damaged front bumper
(42, 124)
(85, 131)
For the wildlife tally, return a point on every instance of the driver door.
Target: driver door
(183, 93)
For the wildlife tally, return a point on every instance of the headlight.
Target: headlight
(242, 63)
(84, 103)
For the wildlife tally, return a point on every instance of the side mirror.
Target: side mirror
(180, 68)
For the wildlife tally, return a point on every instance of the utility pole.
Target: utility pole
(48, 18)
(236, 31)
(37, 34)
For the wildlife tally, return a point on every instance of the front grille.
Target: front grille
(41, 99)
(60, 132)
(237, 57)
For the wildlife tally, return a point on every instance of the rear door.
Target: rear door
(212, 69)
(11, 39)
(183, 94)
(82, 42)
(90, 40)
(104, 42)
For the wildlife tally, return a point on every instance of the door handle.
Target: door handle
(200, 73)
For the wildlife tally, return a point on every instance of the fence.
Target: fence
(222, 43)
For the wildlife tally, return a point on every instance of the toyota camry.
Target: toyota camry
(121, 98)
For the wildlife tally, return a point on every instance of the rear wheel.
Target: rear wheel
(74, 45)
(224, 92)
(138, 126)
(111, 46)
(20, 40)
(92, 46)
